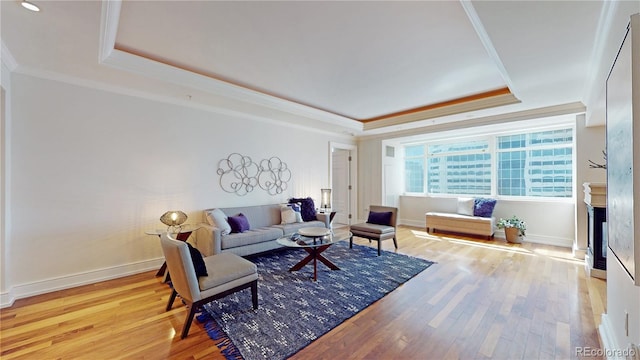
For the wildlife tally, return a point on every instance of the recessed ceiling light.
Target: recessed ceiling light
(29, 6)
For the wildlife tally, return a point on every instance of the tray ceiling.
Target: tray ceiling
(355, 67)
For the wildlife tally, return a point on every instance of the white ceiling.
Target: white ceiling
(330, 65)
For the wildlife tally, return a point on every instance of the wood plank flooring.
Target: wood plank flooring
(482, 300)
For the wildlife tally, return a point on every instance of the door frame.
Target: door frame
(353, 174)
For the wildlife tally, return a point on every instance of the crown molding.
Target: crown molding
(485, 39)
(538, 113)
(7, 58)
(456, 108)
(112, 56)
(109, 20)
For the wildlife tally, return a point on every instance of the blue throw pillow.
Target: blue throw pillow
(483, 207)
(198, 261)
(238, 223)
(380, 218)
(307, 208)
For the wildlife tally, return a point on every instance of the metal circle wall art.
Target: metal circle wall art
(274, 175)
(240, 175)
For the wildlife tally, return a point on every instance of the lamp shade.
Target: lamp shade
(325, 200)
(173, 218)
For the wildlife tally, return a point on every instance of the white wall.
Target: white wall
(369, 177)
(623, 309)
(92, 170)
(5, 121)
(623, 297)
(590, 142)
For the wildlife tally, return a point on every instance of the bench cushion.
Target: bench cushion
(475, 225)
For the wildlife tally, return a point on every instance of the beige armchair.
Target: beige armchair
(227, 273)
(377, 232)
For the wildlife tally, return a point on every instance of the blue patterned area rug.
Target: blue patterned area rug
(294, 310)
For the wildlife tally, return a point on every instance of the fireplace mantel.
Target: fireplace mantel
(595, 194)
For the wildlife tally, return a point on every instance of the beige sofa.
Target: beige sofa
(266, 228)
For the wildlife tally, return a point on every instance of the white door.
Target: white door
(341, 185)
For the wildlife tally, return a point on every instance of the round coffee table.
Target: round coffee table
(314, 240)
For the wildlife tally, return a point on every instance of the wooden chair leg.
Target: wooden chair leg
(188, 320)
(171, 299)
(379, 245)
(254, 294)
(395, 242)
(351, 242)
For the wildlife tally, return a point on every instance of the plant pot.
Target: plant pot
(513, 235)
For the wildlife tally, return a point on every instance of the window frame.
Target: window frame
(492, 138)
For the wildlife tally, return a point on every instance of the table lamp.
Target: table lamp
(173, 219)
(325, 200)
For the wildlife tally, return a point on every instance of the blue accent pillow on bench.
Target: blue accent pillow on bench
(483, 207)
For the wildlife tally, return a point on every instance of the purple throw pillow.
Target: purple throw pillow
(307, 208)
(380, 218)
(483, 207)
(238, 223)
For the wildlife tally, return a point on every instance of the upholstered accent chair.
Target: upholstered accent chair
(380, 226)
(227, 273)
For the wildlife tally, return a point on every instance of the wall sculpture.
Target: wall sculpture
(240, 175)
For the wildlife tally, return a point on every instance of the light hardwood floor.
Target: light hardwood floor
(483, 299)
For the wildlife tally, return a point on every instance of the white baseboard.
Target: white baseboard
(532, 238)
(21, 291)
(6, 299)
(607, 336)
(611, 348)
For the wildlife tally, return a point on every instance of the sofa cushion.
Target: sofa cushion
(289, 214)
(484, 207)
(253, 236)
(239, 223)
(380, 218)
(308, 208)
(218, 218)
(258, 215)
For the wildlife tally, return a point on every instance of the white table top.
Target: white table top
(314, 231)
(299, 241)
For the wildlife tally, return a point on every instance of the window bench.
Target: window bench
(474, 225)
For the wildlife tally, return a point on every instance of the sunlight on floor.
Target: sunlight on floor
(559, 255)
(425, 235)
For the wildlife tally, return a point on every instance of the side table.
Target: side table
(182, 235)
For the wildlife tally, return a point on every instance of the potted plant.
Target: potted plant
(514, 229)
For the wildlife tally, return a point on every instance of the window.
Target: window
(459, 168)
(528, 164)
(414, 169)
(536, 164)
